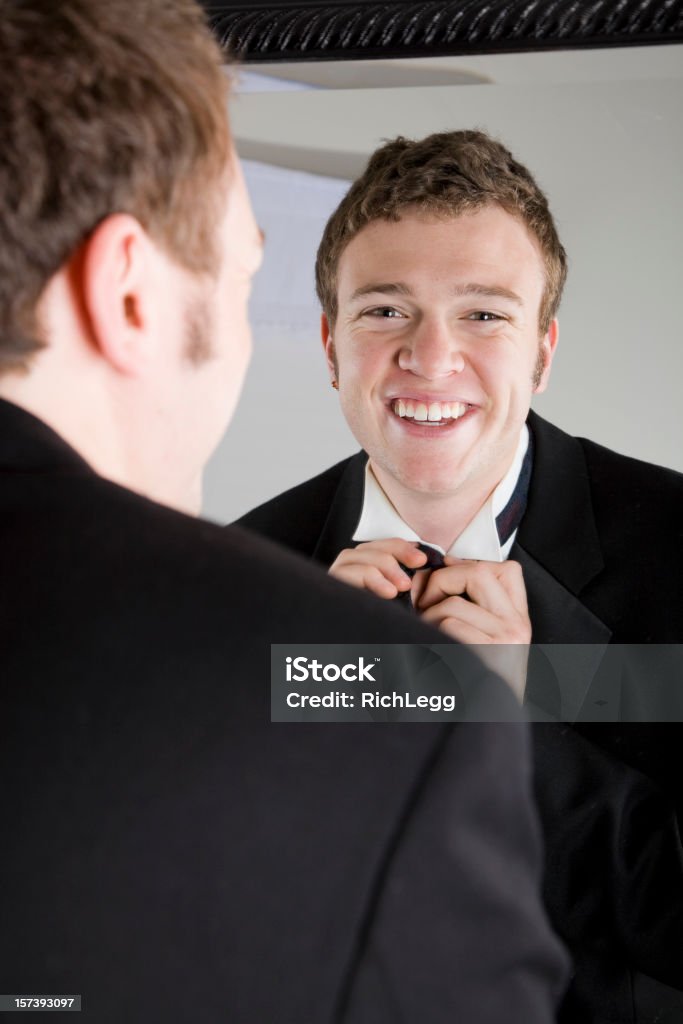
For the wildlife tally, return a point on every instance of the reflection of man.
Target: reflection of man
(166, 853)
(440, 275)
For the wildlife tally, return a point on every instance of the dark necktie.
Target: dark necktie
(509, 519)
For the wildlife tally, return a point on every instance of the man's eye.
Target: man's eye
(484, 315)
(386, 312)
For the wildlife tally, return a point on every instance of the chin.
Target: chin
(435, 480)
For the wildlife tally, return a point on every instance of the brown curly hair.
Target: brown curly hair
(104, 107)
(446, 174)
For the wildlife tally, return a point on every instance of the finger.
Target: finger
(478, 580)
(512, 579)
(509, 574)
(420, 580)
(452, 580)
(405, 551)
(367, 557)
(366, 577)
(486, 589)
(513, 629)
(462, 631)
(377, 583)
(486, 624)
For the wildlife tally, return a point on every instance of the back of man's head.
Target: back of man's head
(105, 107)
(444, 175)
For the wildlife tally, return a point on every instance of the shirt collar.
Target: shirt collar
(479, 539)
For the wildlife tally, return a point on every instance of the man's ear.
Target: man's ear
(118, 291)
(328, 345)
(546, 353)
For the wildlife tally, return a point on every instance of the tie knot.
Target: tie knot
(435, 560)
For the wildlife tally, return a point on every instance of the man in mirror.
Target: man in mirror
(440, 276)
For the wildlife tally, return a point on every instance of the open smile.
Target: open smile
(429, 414)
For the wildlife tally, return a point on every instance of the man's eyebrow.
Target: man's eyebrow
(487, 291)
(459, 290)
(382, 288)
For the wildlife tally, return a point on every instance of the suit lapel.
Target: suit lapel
(569, 642)
(557, 543)
(344, 512)
(558, 616)
(559, 550)
(558, 529)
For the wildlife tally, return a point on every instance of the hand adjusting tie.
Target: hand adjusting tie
(435, 560)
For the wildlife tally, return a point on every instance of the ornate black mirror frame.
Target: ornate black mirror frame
(319, 30)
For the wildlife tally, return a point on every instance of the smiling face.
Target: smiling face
(436, 347)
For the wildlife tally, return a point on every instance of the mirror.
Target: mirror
(601, 131)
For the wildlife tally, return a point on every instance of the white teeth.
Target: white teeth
(435, 412)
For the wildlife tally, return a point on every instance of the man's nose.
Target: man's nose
(432, 351)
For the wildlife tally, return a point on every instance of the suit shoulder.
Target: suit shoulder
(246, 582)
(296, 517)
(172, 583)
(645, 490)
(638, 510)
(134, 539)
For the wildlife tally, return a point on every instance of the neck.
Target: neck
(436, 518)
(106, 434)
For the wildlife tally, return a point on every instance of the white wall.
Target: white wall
(609, 154)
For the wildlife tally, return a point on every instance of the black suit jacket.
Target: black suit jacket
(172, 856)
(600, 547)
